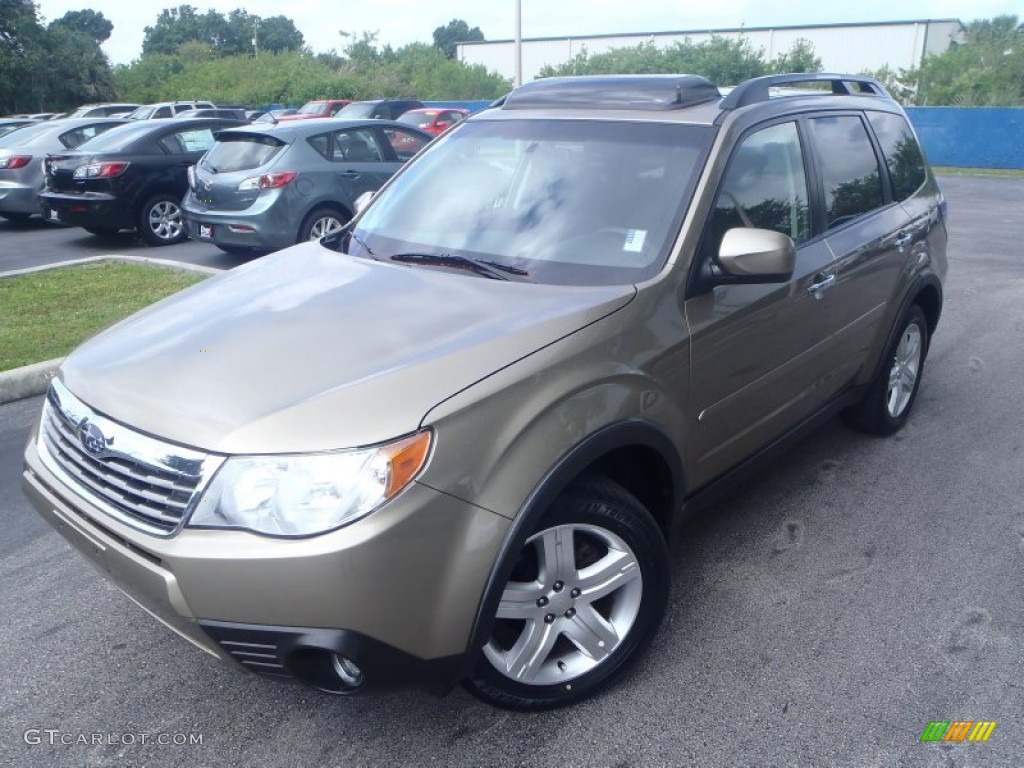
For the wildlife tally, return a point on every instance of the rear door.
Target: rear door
(360, 162)
(865, 230)
(760, 355)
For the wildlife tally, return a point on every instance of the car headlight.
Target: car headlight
(301, 495)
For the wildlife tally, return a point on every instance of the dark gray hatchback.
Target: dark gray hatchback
(265, 187)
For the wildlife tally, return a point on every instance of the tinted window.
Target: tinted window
(162, 112)
(850, 175)
(764, 187)
(241, 153)
(188, 140)
(321, 144)
(570, 202)
(901, 151)
(356, 146)
(404, 143)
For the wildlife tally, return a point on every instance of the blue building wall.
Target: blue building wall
(971, 137)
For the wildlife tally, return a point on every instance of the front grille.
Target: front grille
(139, 479)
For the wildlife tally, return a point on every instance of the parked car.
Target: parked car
(454, 441)
(315, 109)
(8, 124)
(227, 112)
(272, 115)
(266, 187)
(379, 109)
(132, 177)
(22, 153)
(166, 109)
(434, 121)
(103, 110)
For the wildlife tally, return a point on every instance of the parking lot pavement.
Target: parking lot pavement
(36, 242)
(822, 615)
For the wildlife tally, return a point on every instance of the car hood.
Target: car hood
(309, 349)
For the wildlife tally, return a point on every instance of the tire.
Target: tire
(160, 221)
(12, 216)
(557, 619)
(321, 222)
(102, 231)
(890, 397)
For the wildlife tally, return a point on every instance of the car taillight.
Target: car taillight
(14, 161)
(100, 170)
(267, 181)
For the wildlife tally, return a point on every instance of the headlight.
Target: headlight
(301, 495)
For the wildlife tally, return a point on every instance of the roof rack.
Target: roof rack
(655, 92)
(758, 89)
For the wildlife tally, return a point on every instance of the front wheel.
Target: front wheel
(886, 406)
(585, 596)
(160, 221)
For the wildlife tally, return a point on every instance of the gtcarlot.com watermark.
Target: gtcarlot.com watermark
(57, 737)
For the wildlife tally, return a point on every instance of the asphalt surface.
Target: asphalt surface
(36, 242)
(820, 616)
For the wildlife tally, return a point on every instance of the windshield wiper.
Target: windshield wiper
(490, 269)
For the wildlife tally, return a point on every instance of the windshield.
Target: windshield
(27, 133)
(241, 152)
(419, 119)
(567, 202)
(357, 109)
(313, 108)
(117, 138)
(142, 113)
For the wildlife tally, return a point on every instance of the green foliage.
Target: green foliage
(724, 60)
(455, 31)
(229, 35)
(89, 22)
(364, 71)
(57, 67)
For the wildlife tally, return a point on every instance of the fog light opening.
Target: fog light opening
(326, 671)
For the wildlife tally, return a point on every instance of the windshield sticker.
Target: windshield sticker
(634, 240)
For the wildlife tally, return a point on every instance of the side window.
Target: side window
(181, 108)
(851, 178)
(901, 151)
(403, 142)
(356, 146)
(321, 144)
(764, 187)
(190, 140)
(162, 112)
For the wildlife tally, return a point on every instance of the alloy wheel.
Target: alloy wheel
(906, 365)
(324, 226)
(572, 600)
(165, 220)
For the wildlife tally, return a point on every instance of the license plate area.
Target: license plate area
(206, 231)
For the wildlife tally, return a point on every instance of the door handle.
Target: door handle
(349, 174)
(903, 240)
(825, 281)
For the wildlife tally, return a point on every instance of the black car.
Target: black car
(378, 109)
(132, 177)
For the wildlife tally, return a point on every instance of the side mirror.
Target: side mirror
(363, 200)
(757, 256)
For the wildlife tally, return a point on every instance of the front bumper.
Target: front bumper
(396, 592)
(87, 209)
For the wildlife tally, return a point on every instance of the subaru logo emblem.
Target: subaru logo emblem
(92, 437)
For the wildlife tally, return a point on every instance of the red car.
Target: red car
(434, 120)
(318, 108)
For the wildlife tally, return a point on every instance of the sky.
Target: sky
(401, 21)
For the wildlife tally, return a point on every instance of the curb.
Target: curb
(179, 265)
(29, 381)
(32, 380)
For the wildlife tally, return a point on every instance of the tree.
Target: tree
(799, 58)
(279, 33)
(89, 22)
(21, 53)
(455, 31)
(78, 70)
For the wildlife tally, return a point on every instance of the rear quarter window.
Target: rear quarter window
(902, 153)
(242, 153)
